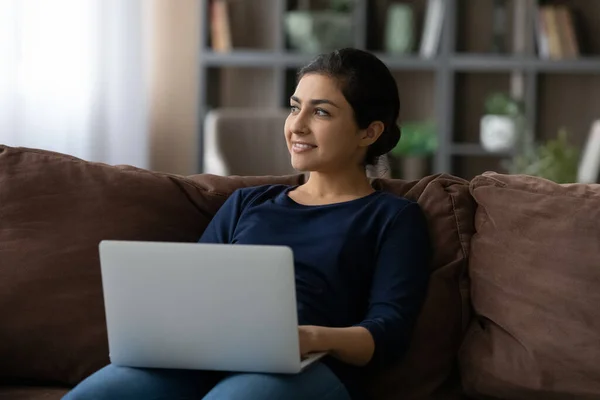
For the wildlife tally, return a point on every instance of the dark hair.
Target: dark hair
(369, 87)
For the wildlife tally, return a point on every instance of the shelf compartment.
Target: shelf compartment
(413, 107)
(252, 24)
(475, 20)
(467, 167)
(567, 101)
(241, 87)
(470, 93)
(377, 19)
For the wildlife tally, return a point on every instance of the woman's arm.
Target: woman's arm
(221, 227)
(399, 285)
(398, 289)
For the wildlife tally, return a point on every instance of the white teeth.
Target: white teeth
(303, 146)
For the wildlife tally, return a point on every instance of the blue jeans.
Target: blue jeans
(317, 382)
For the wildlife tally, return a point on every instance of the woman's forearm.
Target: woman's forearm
(353, 345)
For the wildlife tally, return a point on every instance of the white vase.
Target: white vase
(399, 29)
(319, 31)
(498, 133)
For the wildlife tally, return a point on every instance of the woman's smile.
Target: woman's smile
(302, 147)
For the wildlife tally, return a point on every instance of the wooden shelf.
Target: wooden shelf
(265, 59)
(253, 58)
(408, 62)
(581, 65)
(493, 63)
(488, 63)
(459, 62)
(474, 149)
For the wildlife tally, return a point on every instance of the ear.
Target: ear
(371, 134)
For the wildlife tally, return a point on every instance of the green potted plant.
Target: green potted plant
(556, 160)
(319, 31)
(417, 143)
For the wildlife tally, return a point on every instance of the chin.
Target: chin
(303, 166)
(300, 167)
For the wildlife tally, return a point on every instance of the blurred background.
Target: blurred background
(192, 86)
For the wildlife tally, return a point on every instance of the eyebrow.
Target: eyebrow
(315, 102)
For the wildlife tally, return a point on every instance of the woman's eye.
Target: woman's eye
(320, 112)
(294, 109)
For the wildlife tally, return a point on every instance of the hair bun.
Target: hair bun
(393, 137)
(387, 141)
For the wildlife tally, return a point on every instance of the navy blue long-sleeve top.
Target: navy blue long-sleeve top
(362, 262)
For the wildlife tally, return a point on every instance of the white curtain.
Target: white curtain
(73, 78)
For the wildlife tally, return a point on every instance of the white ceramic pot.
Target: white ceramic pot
(399, 29)
(319, 31)
(498, 133)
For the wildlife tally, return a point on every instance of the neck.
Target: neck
(327, 185)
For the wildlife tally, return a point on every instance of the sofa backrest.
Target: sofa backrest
(55, 209)
(535, 284)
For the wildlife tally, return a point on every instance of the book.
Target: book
(541, 34)
(220, 28)
(432, 28)
(551, 24)
(556, 33)
(522, 26)
(560, 14)
(566, 27)
(589, 165)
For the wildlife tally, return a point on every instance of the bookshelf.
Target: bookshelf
(449, 88)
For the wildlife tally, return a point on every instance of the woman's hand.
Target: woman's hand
(309, 339)
(353, 345)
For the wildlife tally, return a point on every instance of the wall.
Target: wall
(173, 91)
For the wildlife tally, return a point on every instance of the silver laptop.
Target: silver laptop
(201, 306)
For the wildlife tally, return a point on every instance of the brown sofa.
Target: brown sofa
(512, 310)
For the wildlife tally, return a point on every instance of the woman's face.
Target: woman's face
(321, 132)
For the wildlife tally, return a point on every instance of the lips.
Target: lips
(301, 147)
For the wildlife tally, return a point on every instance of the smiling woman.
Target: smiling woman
(343, 116)
(360, 255)
(353, 88)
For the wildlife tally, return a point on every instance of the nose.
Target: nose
(298, 125)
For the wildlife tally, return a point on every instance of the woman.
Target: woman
(361, 256)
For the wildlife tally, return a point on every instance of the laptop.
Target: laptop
(201, 306)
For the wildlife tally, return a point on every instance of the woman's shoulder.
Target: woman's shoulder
(398, 208)
(261, 193)
(395, 201)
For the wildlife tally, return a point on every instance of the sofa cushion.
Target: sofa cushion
(54, 211)
(429, 368)
(32, 393)
(535, 279)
